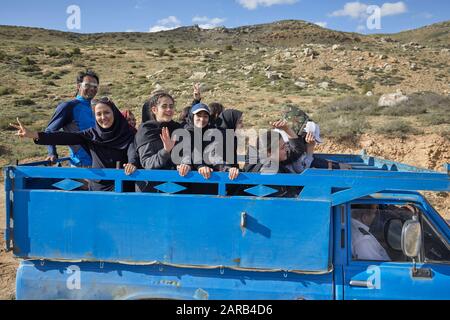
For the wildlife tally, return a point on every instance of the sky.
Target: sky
(92, 16)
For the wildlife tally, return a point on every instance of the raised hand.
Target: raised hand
(165, 137)
(24, 132)
(197, 92)
(205, 172)
(284, 125)
(280, 124)
(310, 139)
(129, 168)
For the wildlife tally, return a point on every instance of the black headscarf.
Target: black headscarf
(118, 136)
(229, 118)
(146, 112)
(149, 132)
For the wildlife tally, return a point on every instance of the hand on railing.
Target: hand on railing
(233, 173)
(129, 169)
(183, 169)
(205, 172)
(51, 158)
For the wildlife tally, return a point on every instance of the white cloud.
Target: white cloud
(391, 9)
(165, 24)
(358, 10)
(253, 4)
(207, 23)
(352, 9)
(322, 24)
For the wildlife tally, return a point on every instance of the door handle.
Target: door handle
(243, 220)
(359, 284)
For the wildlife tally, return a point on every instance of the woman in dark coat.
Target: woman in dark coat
(107, 142)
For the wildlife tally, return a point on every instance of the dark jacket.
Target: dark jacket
(106, 147)
(150, 148)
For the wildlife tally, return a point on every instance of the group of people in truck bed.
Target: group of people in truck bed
(203, 138)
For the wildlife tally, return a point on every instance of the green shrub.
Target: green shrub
(435, 119)
(366, 87)
(343, 127)
(50, 83)
(229, 47)
(6, 91)
(326, 68)
(397, 127)
(62, 62)
(160, 52)
(4, 124)
(172, 49)
(52, 53)
(24, 102)
(31, 68)
(3, 56)
(76, 51)
(27, 61)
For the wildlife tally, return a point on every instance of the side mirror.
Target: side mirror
(412, 238)
(393, 234)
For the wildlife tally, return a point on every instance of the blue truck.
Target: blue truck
(75, 244)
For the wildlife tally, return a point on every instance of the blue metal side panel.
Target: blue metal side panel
(174, 229)
(8, 187)
(125, 282)
(300, 231)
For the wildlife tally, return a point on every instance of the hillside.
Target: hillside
(336, 77)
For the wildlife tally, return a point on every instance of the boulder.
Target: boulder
(273, 75)
(336, 47)
(324, 85)
(301, 84)
(392, 99)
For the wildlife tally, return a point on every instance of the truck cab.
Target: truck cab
(75, 244)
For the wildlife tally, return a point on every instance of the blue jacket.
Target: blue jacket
(73, 116)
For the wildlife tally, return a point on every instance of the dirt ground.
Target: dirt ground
(428, 152)
(8, 264)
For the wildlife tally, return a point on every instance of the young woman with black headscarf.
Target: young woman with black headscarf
(107, 142)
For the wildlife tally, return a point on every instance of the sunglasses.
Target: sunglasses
(89, 85)
(104, 100)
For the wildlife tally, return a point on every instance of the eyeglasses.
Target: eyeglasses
(104, 100)
(167, 106)
(89, 85)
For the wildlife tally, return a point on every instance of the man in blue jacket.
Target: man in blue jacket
(75, 116)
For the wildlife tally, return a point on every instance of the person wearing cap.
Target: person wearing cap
(296, 117)
(198, 125)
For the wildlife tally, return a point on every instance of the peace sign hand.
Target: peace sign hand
(197, 92)
(24, 132)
